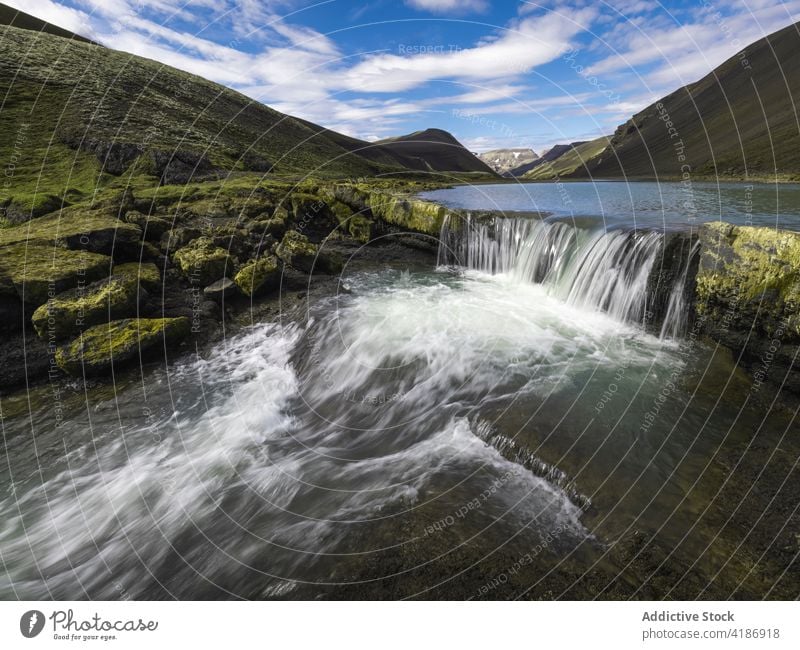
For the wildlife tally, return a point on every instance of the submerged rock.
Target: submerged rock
(118, 342)
(259, 276)
(203, 262)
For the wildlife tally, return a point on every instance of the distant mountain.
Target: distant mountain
(432, 150)
(567, 160)
(507, 161)
(739, 120)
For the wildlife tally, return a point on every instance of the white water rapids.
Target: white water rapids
(265, 459)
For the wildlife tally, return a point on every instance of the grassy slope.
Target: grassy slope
(570, 161)
(734, 121)
(63, 101)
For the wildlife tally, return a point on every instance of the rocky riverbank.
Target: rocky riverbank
(151, 272)
(138, 275)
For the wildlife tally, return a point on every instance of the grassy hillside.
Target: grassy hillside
(739, 120)
(432, 150)
(77, 116)
(570, 160)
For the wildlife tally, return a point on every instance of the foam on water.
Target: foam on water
(267, 463)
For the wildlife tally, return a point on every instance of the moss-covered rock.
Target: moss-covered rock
(296, 251)
(118, 342)
(145, 273)
(177, 238)
(203, 262)
(79, 229)
(259, 276)
(748, 297)
(39, 271)
(274, 227)
(73, 311)
(750, 276)
(360, 228)
(410, 214)
(153, 228)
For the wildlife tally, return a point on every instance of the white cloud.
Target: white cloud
(521, 47)
(449, 6)
(72, 19)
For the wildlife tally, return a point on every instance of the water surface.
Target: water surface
(645, 204)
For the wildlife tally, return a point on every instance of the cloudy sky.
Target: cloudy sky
(495, 74)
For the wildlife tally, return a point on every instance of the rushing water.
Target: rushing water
(644, 204)
(505, 404)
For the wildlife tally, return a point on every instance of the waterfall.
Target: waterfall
(607, 270)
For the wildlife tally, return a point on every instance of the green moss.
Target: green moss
(202, 262)
(411, 214)
(118, 342)
(258, 276)
(297, 251)
(75, 310)
(753, 272)
(40, 271)
(152, 227)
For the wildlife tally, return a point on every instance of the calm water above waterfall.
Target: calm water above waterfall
(499, 424)
(644, 204)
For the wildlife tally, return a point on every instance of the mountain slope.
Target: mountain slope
(503, 161)
(570, 159)
(741, 119)
(432, 150)
(76, 115)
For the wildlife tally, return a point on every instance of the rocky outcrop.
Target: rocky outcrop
(95, 231)
(73, 311)
(102, 347)
(298, 252)
(258, 276)
(118, 296)
(748, 297)
(203, 262)
(38, 271)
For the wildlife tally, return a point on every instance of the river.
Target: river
(497, 423)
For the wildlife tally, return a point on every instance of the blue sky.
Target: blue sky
(495, 74)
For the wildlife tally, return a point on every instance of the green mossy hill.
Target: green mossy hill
(750, 277)
(39, 271)
(738, 121)
(258, 277)
(79, 229)
(103, 346)
(76, 116)
(203, 262)
(73, 311)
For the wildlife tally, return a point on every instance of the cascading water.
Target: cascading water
(606, 270)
